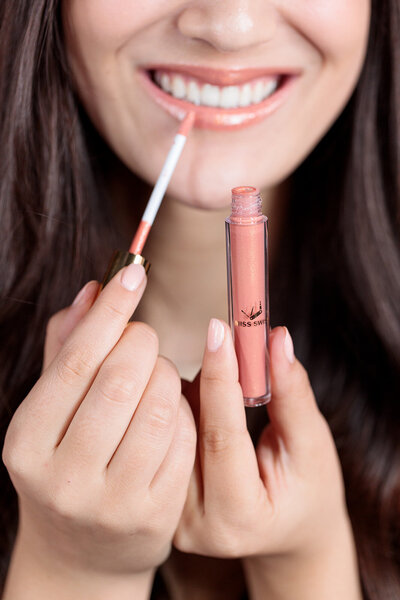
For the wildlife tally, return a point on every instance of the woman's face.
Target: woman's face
(246, 133)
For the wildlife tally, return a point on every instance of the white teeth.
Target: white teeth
(193, 92)
(245, 95)
(210, 95)
(178, 87)
(270, 87)
(258, 92)
(165, 82)
(230, 96)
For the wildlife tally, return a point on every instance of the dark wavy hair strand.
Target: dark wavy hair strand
(336, 282)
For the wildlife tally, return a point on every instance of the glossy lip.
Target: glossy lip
(208, 117)
(221, 76)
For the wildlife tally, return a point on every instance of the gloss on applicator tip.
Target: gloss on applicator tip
(120, 258)
(248, 295)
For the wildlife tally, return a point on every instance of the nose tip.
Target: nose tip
(229, 25)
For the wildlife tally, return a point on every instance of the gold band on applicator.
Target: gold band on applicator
(122, 258)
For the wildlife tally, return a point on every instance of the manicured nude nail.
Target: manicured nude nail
(215, 337)
(85, 293)
(288, 346)
(132, 276)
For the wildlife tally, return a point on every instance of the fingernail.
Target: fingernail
(288, 346)
(132, 276)
(216, 334)
(85, 293)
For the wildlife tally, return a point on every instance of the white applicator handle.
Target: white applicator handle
(165, 176)
(162, 183)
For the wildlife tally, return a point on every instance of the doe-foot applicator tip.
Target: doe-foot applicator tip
(187, 123)
(121, 259)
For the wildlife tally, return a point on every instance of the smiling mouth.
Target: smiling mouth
(219, 98)
(199, 93)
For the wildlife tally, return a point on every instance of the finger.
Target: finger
(293, 409)
(149, 435)
(173, 475)
(194, 497)
(104, 414)
(228, 460)
(62, 323)
(54, 399)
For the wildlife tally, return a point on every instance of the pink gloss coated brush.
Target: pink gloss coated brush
(247, 268)
(120, 258)
(162, 183)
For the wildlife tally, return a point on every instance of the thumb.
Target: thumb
(293, 411)
(63, 322)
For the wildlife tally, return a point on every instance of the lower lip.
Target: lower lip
(208, 117)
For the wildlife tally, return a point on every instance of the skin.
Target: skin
(280, 506)
(106, 482)
(86, 515)
(108, 41)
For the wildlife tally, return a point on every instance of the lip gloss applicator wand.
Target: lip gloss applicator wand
(120, 258)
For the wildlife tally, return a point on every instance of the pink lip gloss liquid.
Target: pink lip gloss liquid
(248, 299)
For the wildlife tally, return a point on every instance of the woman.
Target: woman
(82, 135)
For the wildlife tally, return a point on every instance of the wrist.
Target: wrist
(329, 571)
(42, 577)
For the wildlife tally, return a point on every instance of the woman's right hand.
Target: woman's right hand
(102, 448)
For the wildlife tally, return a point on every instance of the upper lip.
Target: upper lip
(224, 76)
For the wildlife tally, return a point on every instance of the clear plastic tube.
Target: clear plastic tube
(248, 295)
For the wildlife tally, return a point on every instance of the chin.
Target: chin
(211, 189)
(203, 192)
(212, 200)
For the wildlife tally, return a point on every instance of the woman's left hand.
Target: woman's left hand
(286, 497)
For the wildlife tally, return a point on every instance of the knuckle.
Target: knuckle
(182, 540)
(212, 377)
(74, 363)
(226, 544)
(113, 311)
(147, 333)
(155, 524)
(186, 425)
(62, 502)
(187, 435)
(166, 369)
(105, 518)
(162, 412)
(52, 323)
(214, 382)
(224, 539)
(163, 362)
(118, 385)
(303, 380)
(302, 385)
(215, 440)
(14, 455)
(12, 459)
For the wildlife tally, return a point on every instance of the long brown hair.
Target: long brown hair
(338, 287)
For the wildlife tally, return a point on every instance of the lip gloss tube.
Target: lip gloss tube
(248, 296)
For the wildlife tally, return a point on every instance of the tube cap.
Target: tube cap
(121, 259)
